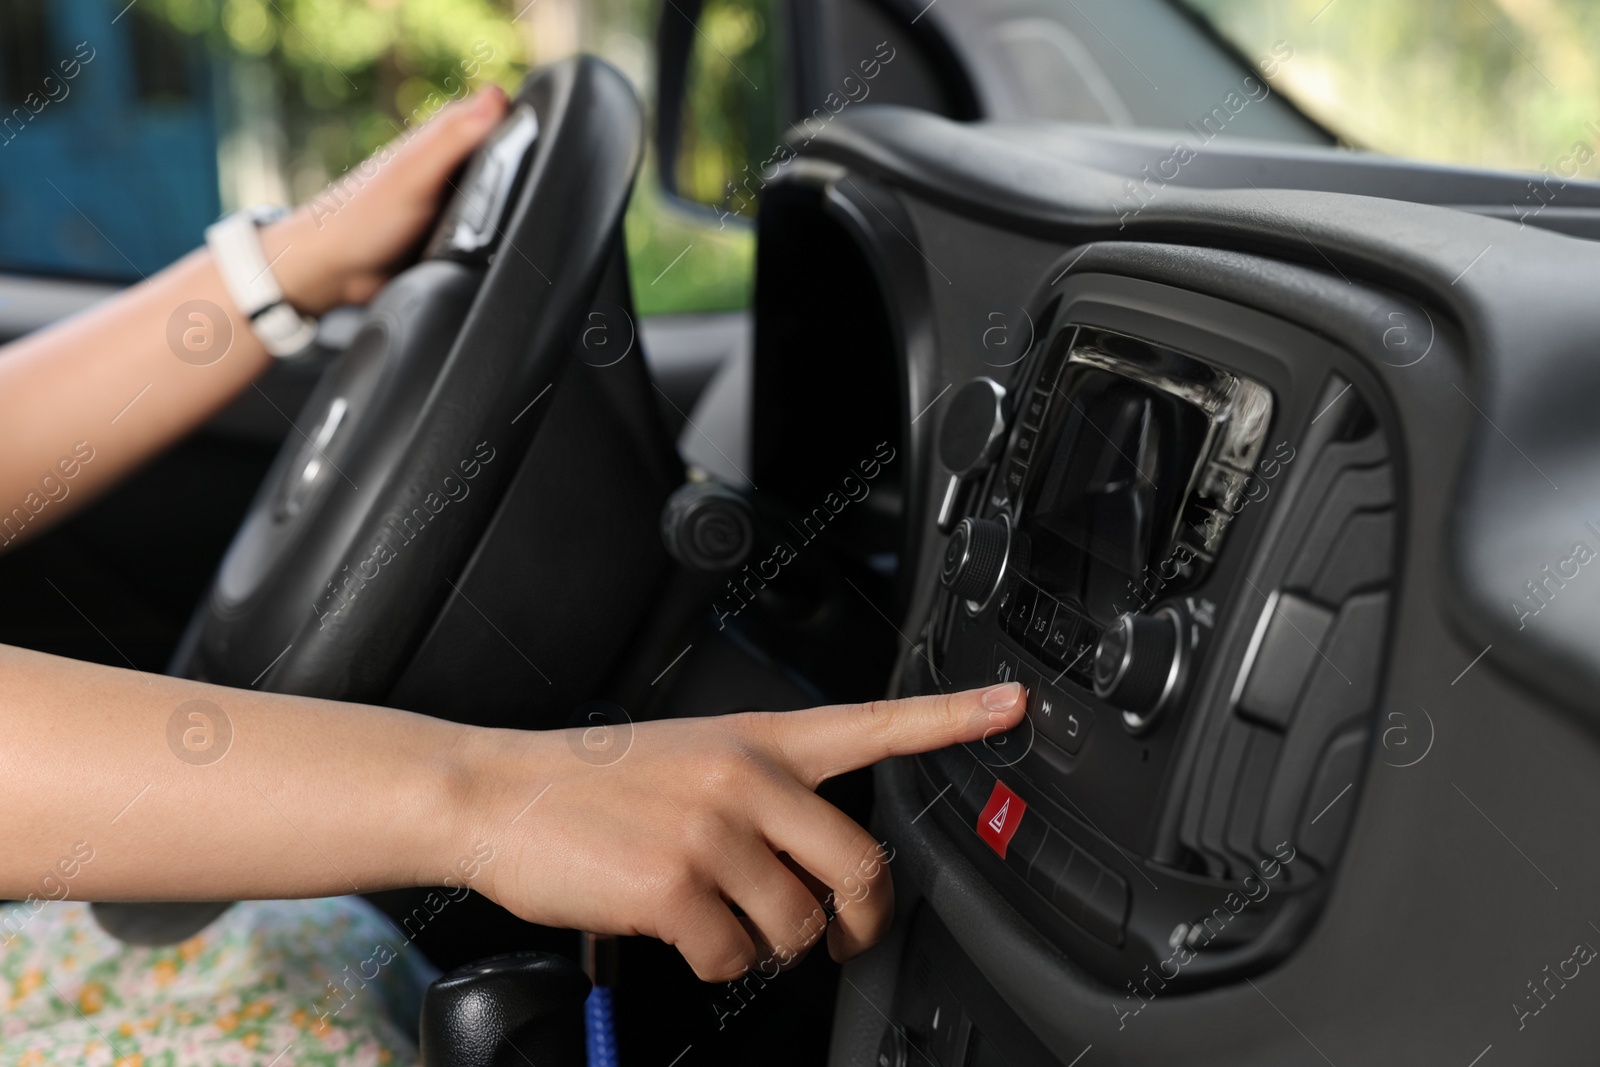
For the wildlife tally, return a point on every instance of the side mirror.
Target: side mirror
(721, 101)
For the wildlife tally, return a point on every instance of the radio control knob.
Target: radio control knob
(975, 559)
(1139, 665)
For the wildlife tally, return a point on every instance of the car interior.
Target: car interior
(1258, 458)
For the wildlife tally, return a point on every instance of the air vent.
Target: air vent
(1290, 751)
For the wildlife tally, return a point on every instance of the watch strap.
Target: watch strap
(235, 245)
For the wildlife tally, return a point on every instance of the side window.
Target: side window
(162, 63)
(23, 48)
(126, 129)
(108, 140)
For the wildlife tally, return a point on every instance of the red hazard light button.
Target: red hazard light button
(998, 822)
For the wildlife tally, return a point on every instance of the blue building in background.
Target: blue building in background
(108, 139)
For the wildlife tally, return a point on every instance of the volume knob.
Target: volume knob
(1138, 665)
(975, 559)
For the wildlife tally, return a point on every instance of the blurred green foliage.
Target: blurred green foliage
(717, 268)
(348, 74)
(1496, 83)
(733, 107)
(349, 71)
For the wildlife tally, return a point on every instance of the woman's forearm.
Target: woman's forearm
(176, 790)
(86, 401)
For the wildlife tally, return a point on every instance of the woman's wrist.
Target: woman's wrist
(308, 268)
(485, 774)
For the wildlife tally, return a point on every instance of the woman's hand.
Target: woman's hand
(703, 832)
(115, 384)
(698, 817)
(346, 242)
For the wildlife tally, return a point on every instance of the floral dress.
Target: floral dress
(267, 984)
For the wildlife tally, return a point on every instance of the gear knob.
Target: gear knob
(707, 527)
(506, 1010)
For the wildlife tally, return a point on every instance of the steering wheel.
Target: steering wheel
(421, 469)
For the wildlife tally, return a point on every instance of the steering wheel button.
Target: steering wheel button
(1000, 817)
(479, 200)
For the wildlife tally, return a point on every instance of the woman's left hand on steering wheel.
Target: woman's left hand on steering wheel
(341, 246)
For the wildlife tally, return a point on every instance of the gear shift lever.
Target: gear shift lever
(506, 1010)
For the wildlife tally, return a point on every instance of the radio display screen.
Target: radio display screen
(1119, 476)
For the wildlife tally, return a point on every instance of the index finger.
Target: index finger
(819, 743)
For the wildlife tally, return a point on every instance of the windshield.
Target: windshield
(1497, 83)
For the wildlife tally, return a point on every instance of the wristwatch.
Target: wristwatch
(236, 247)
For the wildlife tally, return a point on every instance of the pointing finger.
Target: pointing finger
(821, 743)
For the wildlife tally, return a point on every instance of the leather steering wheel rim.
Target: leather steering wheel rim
(419, 427)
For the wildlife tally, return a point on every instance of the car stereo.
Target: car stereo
(1106, 515)
(1126, 465)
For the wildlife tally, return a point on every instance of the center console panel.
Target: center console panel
(1170, 808)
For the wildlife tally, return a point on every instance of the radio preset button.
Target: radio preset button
(1058, 642)
(1045, 610)
(1007, 601)
(1080, 657)
(1022, 609)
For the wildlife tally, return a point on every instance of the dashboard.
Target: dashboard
(1239, 486)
